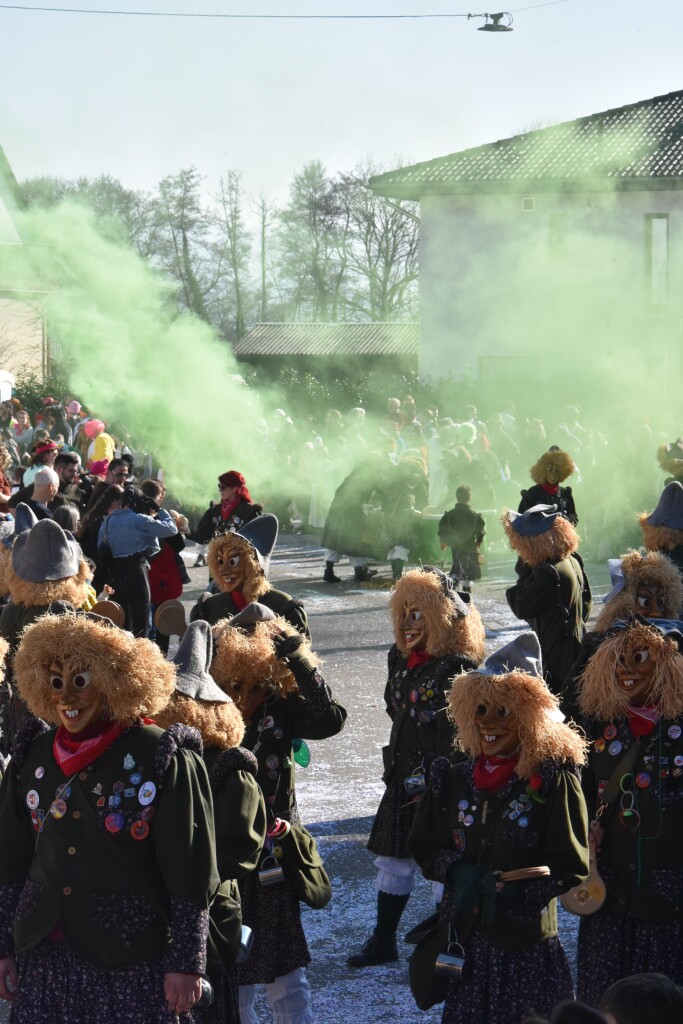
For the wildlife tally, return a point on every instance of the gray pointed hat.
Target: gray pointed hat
(6, 529)
(261, 533)
(24, 519)
(46, 552)
(523, 654)
(252, 614)
(192, 661)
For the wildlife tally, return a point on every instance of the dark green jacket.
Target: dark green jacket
(483, 834)
(221, 606)
(310, 714)
(555, 599)
(641, 863)
(119, 900)
(416, 703)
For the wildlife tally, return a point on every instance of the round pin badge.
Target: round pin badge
(118, 787)
(39, 772)
(32, 799)
(643, 780)
(615, 748)
(674, 732)
(278, 733)
(63, 791)
(523, 822)
(135, 779)
(463, 805)
(114, 823)
(139, 830)
(272, 762)
(147, 793)
(468, 820)
(678, 760)
(610, 732)
(599, 745)
(58, 808)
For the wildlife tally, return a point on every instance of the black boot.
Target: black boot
(379, 949)
(397, 568)
(362, 574)
(329, 576)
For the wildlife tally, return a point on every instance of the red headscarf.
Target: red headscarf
(234, 479)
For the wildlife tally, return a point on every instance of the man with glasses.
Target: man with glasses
(118, 472)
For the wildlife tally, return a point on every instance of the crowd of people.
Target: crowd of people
(154, 861)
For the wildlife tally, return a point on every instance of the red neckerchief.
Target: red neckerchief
(72, 754)
(228, 507)
(550, 488)
(642, 721)
(238, 599)
(493, 772)
(417, 658)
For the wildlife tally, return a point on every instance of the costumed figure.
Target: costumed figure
(270, 671)
(649, 585)
(462, 530)
(107, 865)
(631, 697)
(235, 509)
(239, 562)
(514, 806)
(404, 498)
(350, 524)
(552, 468)
(238, 804)
(438, 633)
(46, 573)
(552, 591)
(663, 528)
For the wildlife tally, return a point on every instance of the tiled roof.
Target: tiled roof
(628, 144)
(352, 339)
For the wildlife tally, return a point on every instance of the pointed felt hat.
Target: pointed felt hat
(535, 521)
(46, 552)
(669, 510)
(251, 615)
(261, 533)
(523, 654)
(192, 661)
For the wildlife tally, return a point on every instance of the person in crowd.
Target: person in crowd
(89, 531)
(44, 454)
(346, 529)
(235, 510)
(107, 865)
(405, 495)
(22, 431)
(462, 530)
(68, 518)
(239, 807)
(663, 527)
(7, 415)
(268, 668)
(552, 592)
(129, 536)
(165, 580)
(437, 635)
(5, 484)
(515, 803)
(548, 473)
(43, 494)
(631, 699)
(670, 459)
(239, 562)
(647, 998)
(73, 485)
(101, 445)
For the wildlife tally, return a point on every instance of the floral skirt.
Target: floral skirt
(504, 988)
(56, 987)
(613, 946)
(393, 822)
(273, 913)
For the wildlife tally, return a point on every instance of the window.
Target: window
(657, 257)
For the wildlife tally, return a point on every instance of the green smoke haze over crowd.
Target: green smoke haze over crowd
(551, 310)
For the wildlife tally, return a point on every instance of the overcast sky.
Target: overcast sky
(139, 98)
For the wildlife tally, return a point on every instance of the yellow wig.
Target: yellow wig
(255, 582)
(541, 737)
(132, 675)
(600, 695)
(560, 461)
(447, 633)
(560, 541)
(34, 595)
(652, 569)
(220, 725)
(244, 661)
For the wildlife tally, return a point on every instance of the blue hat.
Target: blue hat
(261, 533)
(672, 629)
(669, 510)
(617, 578)
(460, 600)
(6, 529)
(523, 654)
(534, 521)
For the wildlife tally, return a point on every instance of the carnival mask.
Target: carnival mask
(78, 702)
(498, 729)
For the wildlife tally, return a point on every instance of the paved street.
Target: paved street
(339, 791)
